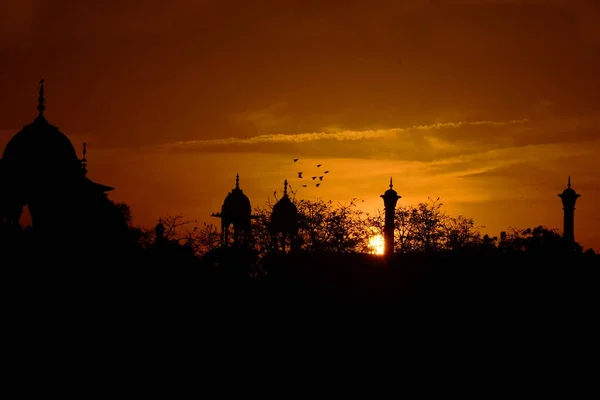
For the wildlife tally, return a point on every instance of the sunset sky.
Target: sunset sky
(488, 104)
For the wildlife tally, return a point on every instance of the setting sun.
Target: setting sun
(376, 244)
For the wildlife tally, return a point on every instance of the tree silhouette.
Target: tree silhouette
(323, 226)
(328, 227)
(427, 228)
(183, 232)
(461, 233)
(125, 210)
(538, 240)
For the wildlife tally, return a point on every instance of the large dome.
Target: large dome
(39, 141)
(236, 204)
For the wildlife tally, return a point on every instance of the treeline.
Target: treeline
(328, 227)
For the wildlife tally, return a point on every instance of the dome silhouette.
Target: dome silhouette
(236, 204)
(390, 194)
(284, 216)
(569, 196)
(569, 192)
(40, 141)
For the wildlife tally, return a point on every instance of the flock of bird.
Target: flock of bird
(314, 178)
(317, 178)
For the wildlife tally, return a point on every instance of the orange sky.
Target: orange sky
(489, 104)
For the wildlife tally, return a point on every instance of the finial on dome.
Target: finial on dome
(237, 180)
(391, 185)
(84, 159)
(569, 183)
(285, 185)
(41, 99)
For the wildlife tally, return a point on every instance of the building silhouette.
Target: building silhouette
(569, 197)
(236, 213)
(390, 199)
(70, 214)
(159, 233)
(284, 223)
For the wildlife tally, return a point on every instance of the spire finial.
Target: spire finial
(41, 99)
(237, 180)
(569, 184)
(391, 184)
(285, 185)
(84, 159)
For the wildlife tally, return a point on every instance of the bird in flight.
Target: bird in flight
(318, 165)
(320, 178)
(313, 177)
(299, 174)
(318, 184)
(296, 159)
(326, 172)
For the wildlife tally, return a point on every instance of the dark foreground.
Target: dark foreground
(308, 280)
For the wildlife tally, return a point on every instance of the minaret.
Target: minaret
(569, 197)
(390, 198)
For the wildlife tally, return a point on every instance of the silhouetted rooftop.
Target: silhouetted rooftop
(236, 203)
(39, 141)
(569, 194)
(285, 213)
(95, 186)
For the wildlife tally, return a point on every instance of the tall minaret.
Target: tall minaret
(569, 197)
(390, 198)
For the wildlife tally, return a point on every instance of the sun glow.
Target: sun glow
(376, 244)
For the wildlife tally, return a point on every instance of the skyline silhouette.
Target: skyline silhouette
(290, 249)
(40, 146)
(492, 107)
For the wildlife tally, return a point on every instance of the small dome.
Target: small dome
(569, 193)
(39, 141)
(284, 216)
(284, 210)
(236, 204)
(390, 193)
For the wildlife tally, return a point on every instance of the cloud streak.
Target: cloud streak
(346, 135)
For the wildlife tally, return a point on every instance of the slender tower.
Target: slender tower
(569, 197)
(390, 198)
